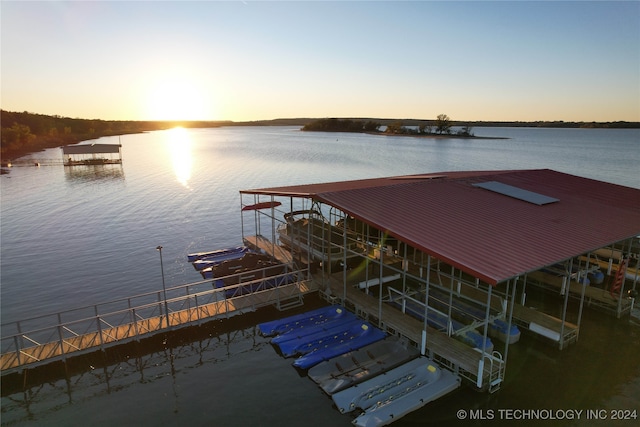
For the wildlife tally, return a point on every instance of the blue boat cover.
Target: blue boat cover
(322, 324)
(368, 336)
(275, 327)
(321, 338)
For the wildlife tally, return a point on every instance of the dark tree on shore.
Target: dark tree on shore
(342, 125)
(443, 124)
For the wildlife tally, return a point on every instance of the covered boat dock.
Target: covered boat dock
(405, 252)
(92, 154)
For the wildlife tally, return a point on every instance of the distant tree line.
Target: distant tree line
(342, 125)
(24, 133)
(441, 126)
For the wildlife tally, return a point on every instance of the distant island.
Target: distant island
(25, 133)
(441, 127)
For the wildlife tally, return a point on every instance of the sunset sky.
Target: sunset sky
(245, 60)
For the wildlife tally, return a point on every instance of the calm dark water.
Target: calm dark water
(79, 236)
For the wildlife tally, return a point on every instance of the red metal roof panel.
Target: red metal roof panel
(490, 235)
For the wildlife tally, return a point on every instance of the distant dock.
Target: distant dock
(92, 154)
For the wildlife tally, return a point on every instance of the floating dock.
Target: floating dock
(92, 154)
(132, 322)
(381, 378)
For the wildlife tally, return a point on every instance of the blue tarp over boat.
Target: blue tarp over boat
(321, 338)
(303, 320)
(367, 335)
(320, 334)
(319, 328)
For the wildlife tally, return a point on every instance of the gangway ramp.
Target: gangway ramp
(22, 350)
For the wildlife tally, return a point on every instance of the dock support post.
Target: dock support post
(99, 327)
(61, 339)
(480, 372)
(164, 288)
(566, 278)
(426, 297)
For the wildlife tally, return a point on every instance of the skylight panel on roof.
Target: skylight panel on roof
(516, 193)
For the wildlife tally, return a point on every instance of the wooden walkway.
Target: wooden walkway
(265, 245)
(456, 355)
(67, 346)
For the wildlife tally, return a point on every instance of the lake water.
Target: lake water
(79, 236)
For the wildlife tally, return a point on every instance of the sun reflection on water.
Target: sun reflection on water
(179, 147)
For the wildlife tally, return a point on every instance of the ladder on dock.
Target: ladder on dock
(484, 371)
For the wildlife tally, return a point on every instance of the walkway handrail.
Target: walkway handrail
(131, 321)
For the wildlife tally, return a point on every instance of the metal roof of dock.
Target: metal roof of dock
(91, 149)
(495, 225)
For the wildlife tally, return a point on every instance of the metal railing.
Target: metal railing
(55, 336)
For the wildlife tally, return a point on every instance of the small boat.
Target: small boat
(248, 261)
(351, 368)
(424, 384)
(415, 374)
(275, 327)
(309, 232)
(337, 317)
(211, 261)
(362, 336)
(293, 344)
(199, 255)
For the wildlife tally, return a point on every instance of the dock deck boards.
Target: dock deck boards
(262, 243)
(136, 330)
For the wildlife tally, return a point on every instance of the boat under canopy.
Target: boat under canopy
(307, 231)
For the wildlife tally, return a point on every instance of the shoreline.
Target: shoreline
(433, 136)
